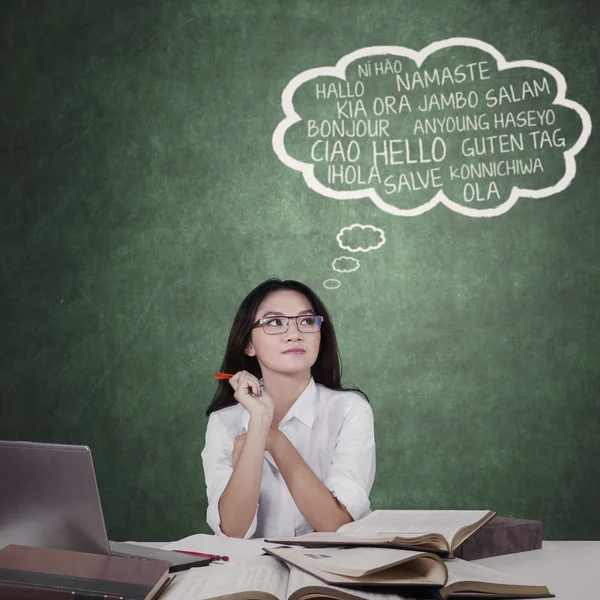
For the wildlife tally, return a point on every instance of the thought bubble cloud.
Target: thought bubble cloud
(453, 124)
(332, 284)
(345, 264)
(360, 238)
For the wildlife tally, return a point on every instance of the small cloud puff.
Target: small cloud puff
(345, 264)
(360, 238)
(332, 284)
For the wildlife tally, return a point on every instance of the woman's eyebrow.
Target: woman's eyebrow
(306, 311)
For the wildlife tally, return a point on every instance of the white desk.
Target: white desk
(568, 569)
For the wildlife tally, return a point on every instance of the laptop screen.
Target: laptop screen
(49, 498)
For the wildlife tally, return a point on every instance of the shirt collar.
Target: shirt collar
(304, 409)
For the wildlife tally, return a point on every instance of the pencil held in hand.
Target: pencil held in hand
(250, 385)
(223, 375)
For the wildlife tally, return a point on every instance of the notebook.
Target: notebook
(50, 499)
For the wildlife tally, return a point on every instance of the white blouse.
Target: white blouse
(332, 431)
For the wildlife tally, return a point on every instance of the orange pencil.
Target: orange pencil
(223, 375)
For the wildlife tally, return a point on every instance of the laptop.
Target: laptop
(49, 498)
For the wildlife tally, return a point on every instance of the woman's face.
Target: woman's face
(291, 352)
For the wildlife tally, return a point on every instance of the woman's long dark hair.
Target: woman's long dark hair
(327, 369)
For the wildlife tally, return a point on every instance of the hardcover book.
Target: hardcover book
(31, 572)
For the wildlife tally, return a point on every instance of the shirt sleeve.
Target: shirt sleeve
(217, 458)
(352, 469)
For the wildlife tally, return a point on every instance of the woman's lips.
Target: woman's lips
(294, 351)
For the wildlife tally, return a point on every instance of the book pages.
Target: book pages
(414, 522)
(410, 573)
(301, 584)
(327, 536)
(461, 570)
(358, 562)
(264, 575)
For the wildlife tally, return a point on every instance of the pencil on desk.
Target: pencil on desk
(211, 556)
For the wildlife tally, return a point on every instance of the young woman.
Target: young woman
(288, 450)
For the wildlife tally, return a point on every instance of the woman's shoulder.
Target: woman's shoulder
(230, 416)
(346, 399)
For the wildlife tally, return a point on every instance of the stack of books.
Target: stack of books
(388, 555)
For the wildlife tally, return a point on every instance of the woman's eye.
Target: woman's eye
(308, 321)
(273, 323)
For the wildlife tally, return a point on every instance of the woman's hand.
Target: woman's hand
(248, 393)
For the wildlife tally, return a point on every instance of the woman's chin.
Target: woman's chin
(294, 369)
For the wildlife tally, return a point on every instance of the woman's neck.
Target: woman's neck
(285, 390)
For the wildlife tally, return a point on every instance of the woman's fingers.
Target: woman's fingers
(247, 386)
(233, 381)
(249, 393)
(245, 383)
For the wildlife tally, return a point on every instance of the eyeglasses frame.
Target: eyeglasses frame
(260, 323)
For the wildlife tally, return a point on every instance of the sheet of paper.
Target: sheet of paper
(299, 579)
(401, 522)
(258, 574)
(235, 548)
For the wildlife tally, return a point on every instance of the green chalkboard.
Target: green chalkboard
(160, 159)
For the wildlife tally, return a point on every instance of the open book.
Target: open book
(263, 578)
(391, 569)
(439, 531)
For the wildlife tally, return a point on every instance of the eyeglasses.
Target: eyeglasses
(280, 324)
